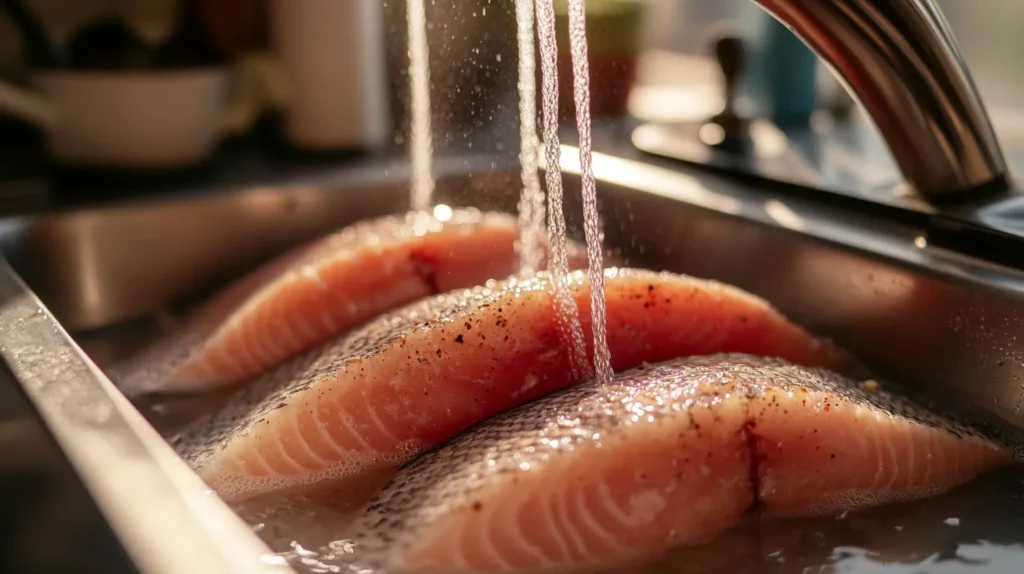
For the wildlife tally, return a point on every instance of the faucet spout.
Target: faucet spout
(899, 59)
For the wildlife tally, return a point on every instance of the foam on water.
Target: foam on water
(531, 203)
(591, 218)
(421, 140)
(558, 263)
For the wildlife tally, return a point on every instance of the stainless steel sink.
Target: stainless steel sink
(936, 320)
(98, 266)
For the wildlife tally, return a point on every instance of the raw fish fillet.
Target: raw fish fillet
(323, 288)
(346, 414)
(670, 454)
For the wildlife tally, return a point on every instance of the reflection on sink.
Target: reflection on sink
(916, 315)
(90, 275)
(942, 323)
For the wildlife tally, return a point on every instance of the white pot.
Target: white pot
(126, 119)
(332, 54)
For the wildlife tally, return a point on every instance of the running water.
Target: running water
(558, 262)
(421, 145)
(591, 218)
(531, 203)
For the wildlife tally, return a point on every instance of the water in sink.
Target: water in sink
(976, 527)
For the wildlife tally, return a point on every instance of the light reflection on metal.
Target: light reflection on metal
(673, 103)
(769, 141)
(160, 510)
(902, 63)
(711, 134)
(695, 142)
(784, 216)
(668, 183)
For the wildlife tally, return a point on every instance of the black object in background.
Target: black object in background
(188, 47)
(40, 52)
(108, 44)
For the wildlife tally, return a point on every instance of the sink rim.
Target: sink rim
(138, 482)
(57, 396)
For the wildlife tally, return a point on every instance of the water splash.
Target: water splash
(421, 139)
(531, 203)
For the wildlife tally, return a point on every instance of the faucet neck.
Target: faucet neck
(899, 59)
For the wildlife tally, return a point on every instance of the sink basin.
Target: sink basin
(936, 320)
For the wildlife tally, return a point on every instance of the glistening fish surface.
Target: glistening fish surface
(346, 414)
(671, 454)
(324, 288)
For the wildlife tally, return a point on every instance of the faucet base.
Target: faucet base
(843, 160)
(847, 165)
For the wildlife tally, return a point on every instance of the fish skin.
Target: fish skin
(347, 414)
(324, 288)
(681, 451)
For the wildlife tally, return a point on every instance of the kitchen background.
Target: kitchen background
(473, 89)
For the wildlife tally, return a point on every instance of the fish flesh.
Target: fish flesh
(347, 413)
(323, 288)
(320, 289)
(665, 455)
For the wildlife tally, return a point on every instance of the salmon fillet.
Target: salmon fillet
(323, 288)
(348, 413)
(666, 455)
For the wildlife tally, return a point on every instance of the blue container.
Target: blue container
(782, 72)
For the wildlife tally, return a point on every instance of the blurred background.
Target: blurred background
(243, 91)
(303, 107)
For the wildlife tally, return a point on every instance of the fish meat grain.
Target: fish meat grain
(321, 289)
(346, 414)
(668, 455)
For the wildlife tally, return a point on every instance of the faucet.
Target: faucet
(899, 59)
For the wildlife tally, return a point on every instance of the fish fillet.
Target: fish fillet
(347, 413)
(666, 455)
(324, 288)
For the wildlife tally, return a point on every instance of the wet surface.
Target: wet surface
(50, 523)
(975, 529)
(978, 527)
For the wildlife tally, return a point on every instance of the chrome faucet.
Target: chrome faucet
(899, 59)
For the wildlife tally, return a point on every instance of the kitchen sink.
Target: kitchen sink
(943, 323)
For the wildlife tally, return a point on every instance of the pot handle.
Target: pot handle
(259, 84)
(27, 105)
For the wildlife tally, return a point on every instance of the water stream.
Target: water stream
(558, 261)
(974, 528)
(531, 204)
(591, 217)
(421, 146)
